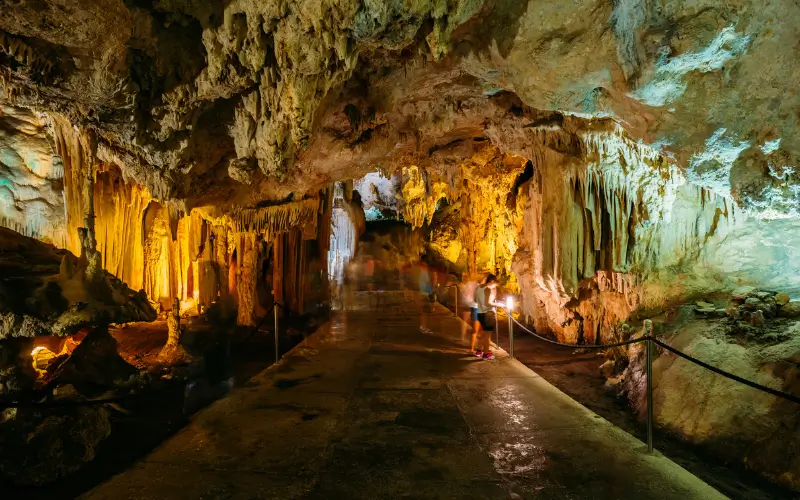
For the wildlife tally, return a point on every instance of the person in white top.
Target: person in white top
(485, 295)
(468, 310)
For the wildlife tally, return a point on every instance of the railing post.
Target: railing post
(455, 294)
(496, 330)
(649, 368)
(510, 334)
(275, 313)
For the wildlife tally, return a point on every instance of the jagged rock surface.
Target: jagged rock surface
(193, 99)
(44, 292)
(41, 447)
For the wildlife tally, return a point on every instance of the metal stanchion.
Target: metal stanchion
(275, 313)
(496, 330)
(510, 336)
(509, 312)
(649, 367)
(455, 295)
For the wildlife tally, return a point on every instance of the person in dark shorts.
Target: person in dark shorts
(485, 295)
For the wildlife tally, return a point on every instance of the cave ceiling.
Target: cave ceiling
(246, 101)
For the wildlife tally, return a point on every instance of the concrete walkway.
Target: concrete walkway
(373, 407)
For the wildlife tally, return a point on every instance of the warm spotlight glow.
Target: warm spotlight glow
(188, 307)
(42, 357)
(510, 303)
(196, 281)
(37, 350)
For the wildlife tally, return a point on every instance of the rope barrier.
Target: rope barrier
(749, 383)
(582, 346)
(65, 403)
(718, 371)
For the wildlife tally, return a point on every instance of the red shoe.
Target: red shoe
(479, 354)
(488, 356)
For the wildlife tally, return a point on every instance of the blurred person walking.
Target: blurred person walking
(485, 300)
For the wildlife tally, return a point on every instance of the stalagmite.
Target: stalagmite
(173, 352)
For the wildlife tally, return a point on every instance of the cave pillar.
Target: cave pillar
(278, 268)
(220, 257)
(246, 284)
(207, 277)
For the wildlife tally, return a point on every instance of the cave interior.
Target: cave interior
(175, 175)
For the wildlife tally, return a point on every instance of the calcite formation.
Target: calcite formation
(199, 100)
(46, 291)
(31, 175)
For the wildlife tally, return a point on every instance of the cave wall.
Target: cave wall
(597, 230)
(620, 233)
(52, 176)
(379, 195)
(31, 177)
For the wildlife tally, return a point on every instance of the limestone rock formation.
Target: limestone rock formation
(790, 309)
(37, 299)
(41, 447)
(174, 352)
(723, 416)
(180, 94)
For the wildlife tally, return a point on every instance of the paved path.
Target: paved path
(372, 407)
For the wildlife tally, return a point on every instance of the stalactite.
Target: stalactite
(119, 210)
(599, 227)
(70, 149)
(159, 247)
(267, 221)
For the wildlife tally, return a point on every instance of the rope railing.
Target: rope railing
(718, 371)
(582, 346)
(66, 403)
(660, 343)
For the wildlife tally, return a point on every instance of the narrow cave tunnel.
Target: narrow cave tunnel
(348, 250)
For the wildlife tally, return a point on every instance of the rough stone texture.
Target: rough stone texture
(782, 299)
(612, 159)
(729, 418)
(790, 310)
(16, 370)
(30, 177)
(183, 93)
(380, 196)
(742, 293)
(94, 367)
(37, 299)
(40, 447)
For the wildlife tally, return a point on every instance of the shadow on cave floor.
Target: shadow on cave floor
(578, 375)
(158, 414)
